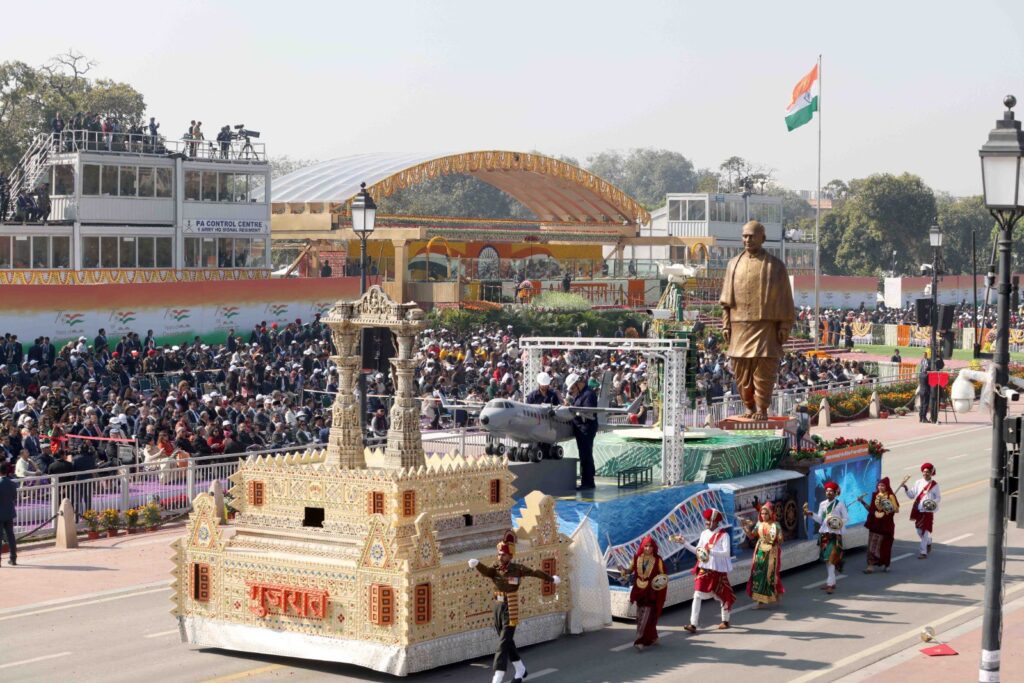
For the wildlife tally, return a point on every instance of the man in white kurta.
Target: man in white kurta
(830, 536)
(926, 496)
(714, 562)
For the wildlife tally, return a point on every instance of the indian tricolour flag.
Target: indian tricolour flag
(805, 101)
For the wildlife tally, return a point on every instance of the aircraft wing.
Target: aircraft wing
(471, 407)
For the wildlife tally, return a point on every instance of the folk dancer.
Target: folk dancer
(765, 583)
(832, 517)
(650, 586)
(881, 525)
(506, 576)
(714, 562)
(926, 496)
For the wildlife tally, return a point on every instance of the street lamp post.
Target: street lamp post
(935, 239)
(1001, 158)
(364, 215)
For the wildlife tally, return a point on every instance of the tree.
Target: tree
(958, 218)
(31, 96)
(835, 190)
(284, 164)
(884, 213)
(646, 174)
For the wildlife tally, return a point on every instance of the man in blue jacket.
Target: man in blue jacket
(584, 426)
(8, 497)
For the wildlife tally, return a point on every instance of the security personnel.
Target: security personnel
(544, 395)
(584, 426)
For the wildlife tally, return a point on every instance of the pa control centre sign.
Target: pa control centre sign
(215, 226)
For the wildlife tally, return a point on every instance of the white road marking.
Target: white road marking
(962, 455)
(542, 672)
(822, 583)
(83, 604)
(34, 660)
(161, 634)
(662, 635)
(902, 557)
(742, 609)
(958, 538)
(86, 596)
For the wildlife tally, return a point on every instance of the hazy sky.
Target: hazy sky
(907, 85)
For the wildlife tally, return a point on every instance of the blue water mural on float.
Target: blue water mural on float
(855, 477)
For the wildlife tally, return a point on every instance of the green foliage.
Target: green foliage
(958, 218)
(884, 213)
(526, 320)
(560, 301)
(31, 96)
(646, 174)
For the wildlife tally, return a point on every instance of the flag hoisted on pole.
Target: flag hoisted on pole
(805, 101)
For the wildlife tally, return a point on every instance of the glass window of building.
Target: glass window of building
(225, 188)
(164, 254)
(22, 252)
(208, 257)
(226, 252)
(129, 184)
(192, 184)
(256, 184)
(209, 186)
(61, 254)
(5, 251)
(90, 252)
(241, 187)
(108, 188)
(40, 251)
(241, 252)
(695, 210)
(145, 181)
(63, 182)
(257, 253)
(127, 251)
(90, 179)
(108, 252)
(164, 183)
(677, 210)
(147, 256)
(192, 252)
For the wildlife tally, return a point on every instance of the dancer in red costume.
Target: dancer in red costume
(926, 496)
(650, 584)
(714, 562)
(881, 525)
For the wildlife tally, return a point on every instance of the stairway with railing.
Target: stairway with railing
(26, 175)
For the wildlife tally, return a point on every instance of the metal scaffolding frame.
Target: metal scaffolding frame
(671, 352)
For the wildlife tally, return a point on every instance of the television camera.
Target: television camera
(243, 133)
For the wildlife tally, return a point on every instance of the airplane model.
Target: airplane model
(533, 425)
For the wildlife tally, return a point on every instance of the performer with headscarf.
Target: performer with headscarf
(714, 562)
(765, 583)
(650, 585)
(832, 517)
(926, 496)
(506, 576)
(881, 525)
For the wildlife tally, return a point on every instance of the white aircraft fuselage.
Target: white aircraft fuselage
(526, 423)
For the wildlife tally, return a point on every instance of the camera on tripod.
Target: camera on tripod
(242, 132)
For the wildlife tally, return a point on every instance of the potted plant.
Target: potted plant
(92, 524)
(111, 521)
(131, 520)
(151, 516)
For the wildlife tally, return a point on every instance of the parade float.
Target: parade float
(360, 556)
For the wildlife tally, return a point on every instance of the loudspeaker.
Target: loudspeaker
(947, 345)
(924, 312)
(946, 312)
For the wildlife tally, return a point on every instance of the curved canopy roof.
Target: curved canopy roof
(553, 190)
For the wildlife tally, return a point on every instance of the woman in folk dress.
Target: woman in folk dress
(765, 583)
(650, 586)
(881, 525)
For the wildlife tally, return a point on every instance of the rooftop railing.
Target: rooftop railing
(143, 144)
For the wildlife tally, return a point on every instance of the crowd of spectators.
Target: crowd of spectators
(111, 403)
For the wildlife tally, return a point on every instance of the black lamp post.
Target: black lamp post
(1001, 159)
(364, 215)
(935, 239)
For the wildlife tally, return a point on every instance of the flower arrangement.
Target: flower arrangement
(92, 520)
(131, 518)
(151, 515)
(111, 520)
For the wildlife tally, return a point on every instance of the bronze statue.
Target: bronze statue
(757, 316)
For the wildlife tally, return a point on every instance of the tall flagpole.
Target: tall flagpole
(817, 225)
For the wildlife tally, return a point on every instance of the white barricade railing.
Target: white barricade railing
(124, 487)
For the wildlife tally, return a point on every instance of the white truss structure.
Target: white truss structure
(672, 353)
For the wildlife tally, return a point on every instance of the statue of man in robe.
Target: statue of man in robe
(757, 316)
